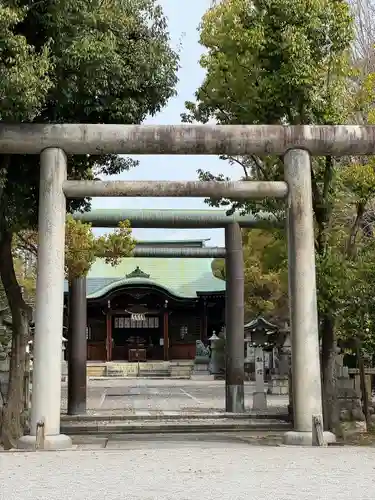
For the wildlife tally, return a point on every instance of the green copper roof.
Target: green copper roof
(180, 277)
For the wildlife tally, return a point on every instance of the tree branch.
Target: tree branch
(27, 245)
(240, 163)
(354, 229)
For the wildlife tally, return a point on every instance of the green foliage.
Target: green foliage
(357, 308)
(266, 283)
(79, 248)
(273, 61)
(358, 181)
(85, 61)
(24, 72)
(276, 62)
(266, 287)
(82, 247)
(365, 98)
(282, 62)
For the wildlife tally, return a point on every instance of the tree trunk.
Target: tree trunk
(13, 418)
(329, 345)
(362, 380)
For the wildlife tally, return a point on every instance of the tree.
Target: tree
(85, 61)
(281, 62)
(265, 263)
(24, 72)
(82, 247)
(363, 48)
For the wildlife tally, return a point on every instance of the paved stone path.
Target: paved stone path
(145, 396)
(185, 471)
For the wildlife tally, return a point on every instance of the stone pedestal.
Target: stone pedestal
(64, 371)
(4, 365)
(51, 442)
(357, 385)
(301, 438)
(4, 381)
(201, 368)
(259, 396)
(259, 401)
(64, 365)
(352, 418)
(279, 385)
(284, 364)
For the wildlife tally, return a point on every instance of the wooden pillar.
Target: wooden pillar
(77, 347)
(109, 336)
(204, 322)
(166, 334)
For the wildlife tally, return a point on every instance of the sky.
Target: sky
(183, 27)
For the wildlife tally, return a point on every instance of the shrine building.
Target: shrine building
(152, 308)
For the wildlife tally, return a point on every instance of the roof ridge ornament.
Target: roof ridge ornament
(137, 273)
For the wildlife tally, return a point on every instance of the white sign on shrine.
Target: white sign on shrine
(137, 317)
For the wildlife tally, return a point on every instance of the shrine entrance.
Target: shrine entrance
(294, 144)
(137, 336)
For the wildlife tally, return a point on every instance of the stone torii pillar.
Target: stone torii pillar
(234, 319)
(77, 347)
(307, 391)
(46, 394)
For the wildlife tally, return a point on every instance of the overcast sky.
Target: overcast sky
(183, 24)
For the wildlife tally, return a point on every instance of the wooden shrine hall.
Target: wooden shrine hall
(151, 308)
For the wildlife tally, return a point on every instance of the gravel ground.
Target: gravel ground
(191, 471)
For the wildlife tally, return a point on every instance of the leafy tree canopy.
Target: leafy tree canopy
(273, 61)
(86, 61)
(82, 247)
(24, 78)
(277, 62)
(266, 284)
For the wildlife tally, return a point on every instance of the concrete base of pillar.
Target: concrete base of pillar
(259, 401)
(299, 438)
(234, 399)
(51, 443)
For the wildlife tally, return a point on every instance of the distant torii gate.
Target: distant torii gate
(294, 144)
(234, 303)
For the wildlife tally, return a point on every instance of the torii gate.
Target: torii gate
(295, 144)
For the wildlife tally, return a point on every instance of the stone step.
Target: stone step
(180, 372)
(111, 427)
(164, 415)
(115, 373)
(154, 373)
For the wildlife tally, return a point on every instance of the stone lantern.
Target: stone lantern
(260, 335)
(214, 367)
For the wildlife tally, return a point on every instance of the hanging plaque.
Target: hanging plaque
(138, 317)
